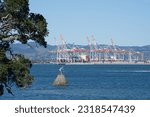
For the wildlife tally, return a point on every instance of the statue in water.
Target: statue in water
(60, 69)
(60, 79)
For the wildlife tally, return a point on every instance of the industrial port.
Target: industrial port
(95, 54)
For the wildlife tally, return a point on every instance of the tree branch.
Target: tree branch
(11, 38)
(6, 17)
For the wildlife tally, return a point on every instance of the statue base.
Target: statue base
(60, 80)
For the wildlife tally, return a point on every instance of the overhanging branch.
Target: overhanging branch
(11, 38)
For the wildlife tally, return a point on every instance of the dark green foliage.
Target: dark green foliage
(21, 69)
(1, 90)
(17, 8)
(17, 23)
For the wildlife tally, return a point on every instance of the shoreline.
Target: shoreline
(114, 63)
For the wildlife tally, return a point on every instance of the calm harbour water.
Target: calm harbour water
(87, 82)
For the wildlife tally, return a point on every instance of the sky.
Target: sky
(127, 22)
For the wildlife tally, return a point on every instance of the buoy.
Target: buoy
(60, 79)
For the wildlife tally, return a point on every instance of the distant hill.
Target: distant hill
(38, 53)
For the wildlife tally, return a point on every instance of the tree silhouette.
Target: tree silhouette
(18, 24)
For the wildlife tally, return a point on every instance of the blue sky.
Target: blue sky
(127, 22)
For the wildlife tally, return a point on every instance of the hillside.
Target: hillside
(38, 53)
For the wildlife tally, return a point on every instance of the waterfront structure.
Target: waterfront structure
(95, 54)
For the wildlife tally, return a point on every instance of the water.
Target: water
(88, 82)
